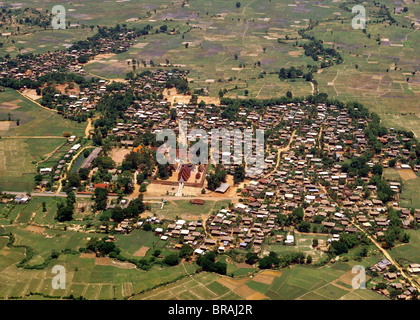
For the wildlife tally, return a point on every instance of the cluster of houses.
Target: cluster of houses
(395, 280)
(53, 174)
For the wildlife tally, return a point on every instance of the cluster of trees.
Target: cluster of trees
(239, 174)
(103, 247)
(65, 209)
(315, 49)
(164, 171)
(273, 260)
(208, 263)
(27, 16)
(180, 84)
(143, 161)
(100, 198)
(394, 231)
(293, 73)
(118, 214)
(113, 33)
(346, 241)
(384, 191)
(214, 180)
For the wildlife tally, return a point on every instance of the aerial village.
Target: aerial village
(318, 157)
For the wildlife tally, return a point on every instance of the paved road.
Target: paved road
(62, 194)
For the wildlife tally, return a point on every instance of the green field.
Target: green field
(408, 253)
(331, 282)
(39, 133)
(83, 276)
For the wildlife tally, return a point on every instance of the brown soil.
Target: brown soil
(245, 291)
(118, 154)
(407, 174)
(141, 252)
(273, 273)
(35, 229)
(103, 261)
(173, 97)
(256, 296)
(123, 265)
(231, 283)
(263, 278)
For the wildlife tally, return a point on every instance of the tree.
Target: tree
(337, 248)
(64, 213)
(239, 174)
(393, 268)
(392, 162)
(171, 260)
(101, 196)
(377, 169)
(315, 243)
(238, 4)
(381, 286)
(73, 180)
(304, 226)
(251, 258)
(297, 215)
(84, 173)
(186, 251)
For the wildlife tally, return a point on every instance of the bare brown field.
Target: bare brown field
(101, 57)
(5, 125)
(263, 278)
(35, 229)
(256, 296)
(141, 252)
(232, 283)
(103, 261)
(245, 291)
(31, 93)
(123, 265)
(118, 154)
(407, 174)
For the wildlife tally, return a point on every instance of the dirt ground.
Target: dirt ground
(245, 291)
(88, 255)
(62, 88)
(100, 57)
(173, 97)
(35, 229)
(141, 252)
(407, 174)
(31, 93)
(103, 261)
(231, 283)
(154, 190)
(256, 296)
(5, 125)
(118, 154)
(123, 265)
(273, 273)
(263, 278)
